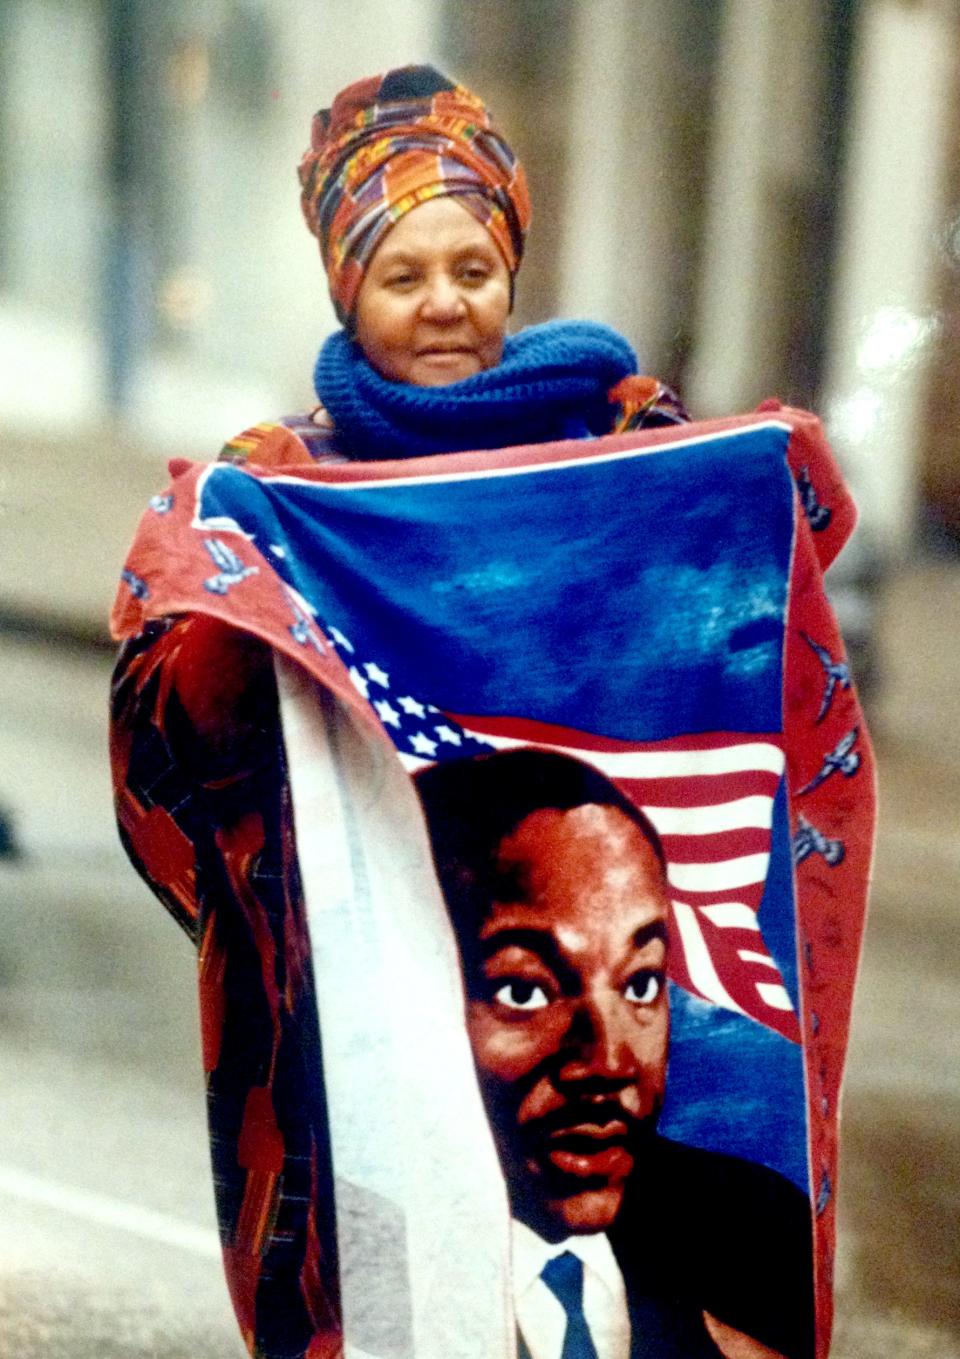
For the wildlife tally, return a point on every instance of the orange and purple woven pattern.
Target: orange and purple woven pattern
(394, 141)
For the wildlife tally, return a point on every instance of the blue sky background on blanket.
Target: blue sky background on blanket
(454, 587)
(687, 632)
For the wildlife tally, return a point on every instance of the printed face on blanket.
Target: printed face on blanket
(554, 880)
(557, 890)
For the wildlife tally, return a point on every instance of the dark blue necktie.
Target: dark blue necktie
(563, 1275)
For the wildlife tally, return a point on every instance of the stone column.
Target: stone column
(763, 162)
(884, 319)
(638, 98)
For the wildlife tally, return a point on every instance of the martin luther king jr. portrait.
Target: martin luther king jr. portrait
(625, 1243)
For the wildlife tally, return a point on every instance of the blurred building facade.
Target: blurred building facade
(761, 195)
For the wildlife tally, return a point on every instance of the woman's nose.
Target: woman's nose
(442, 297)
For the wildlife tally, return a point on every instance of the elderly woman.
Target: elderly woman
(420, 209)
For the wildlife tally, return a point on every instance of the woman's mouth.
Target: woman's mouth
(444, 355)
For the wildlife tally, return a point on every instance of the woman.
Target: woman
(421, 210)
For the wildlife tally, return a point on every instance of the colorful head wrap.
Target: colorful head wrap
(394, 141)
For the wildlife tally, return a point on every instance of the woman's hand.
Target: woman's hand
(734, 1344)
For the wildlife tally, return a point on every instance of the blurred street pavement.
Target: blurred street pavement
(107, 1245)
(107, 1231)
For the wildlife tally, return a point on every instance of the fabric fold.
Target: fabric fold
(422, 1213)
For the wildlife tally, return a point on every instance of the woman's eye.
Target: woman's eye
(643, 988)
(400, 280)
(521, 995)
(475, 273)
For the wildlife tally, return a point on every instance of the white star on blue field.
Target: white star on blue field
(415, 727)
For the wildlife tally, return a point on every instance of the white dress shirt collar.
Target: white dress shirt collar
(531, 1253)
(540, 1316)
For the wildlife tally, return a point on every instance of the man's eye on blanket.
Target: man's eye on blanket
(644, 987)
(520, 994)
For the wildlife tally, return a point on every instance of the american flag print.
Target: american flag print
(672, 689)
(710, 798)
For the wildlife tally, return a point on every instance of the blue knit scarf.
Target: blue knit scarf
(551, 383)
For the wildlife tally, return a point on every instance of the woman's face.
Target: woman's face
(434, 302)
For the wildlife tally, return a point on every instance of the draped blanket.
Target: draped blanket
(650, 605)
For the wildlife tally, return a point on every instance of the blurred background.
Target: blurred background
(764, 196)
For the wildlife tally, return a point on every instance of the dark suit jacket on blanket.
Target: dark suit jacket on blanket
(707, 1232)
(702, 1231)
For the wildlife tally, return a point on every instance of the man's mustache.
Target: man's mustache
(577, 1114)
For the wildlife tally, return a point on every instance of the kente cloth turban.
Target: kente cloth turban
(394, 141)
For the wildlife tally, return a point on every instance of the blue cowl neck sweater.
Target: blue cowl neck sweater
(551, 383)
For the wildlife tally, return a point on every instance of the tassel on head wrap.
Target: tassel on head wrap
(394, 141)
